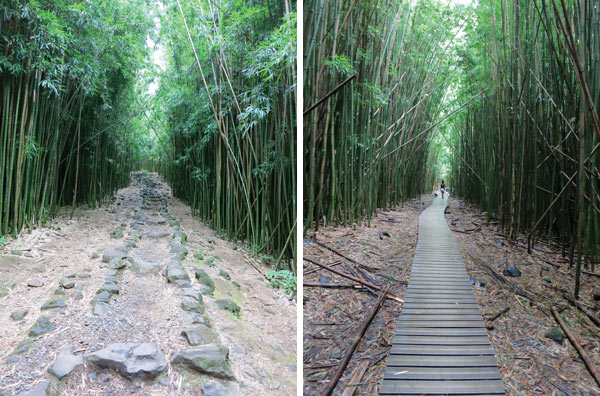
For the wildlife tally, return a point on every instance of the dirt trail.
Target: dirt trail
(154, 230)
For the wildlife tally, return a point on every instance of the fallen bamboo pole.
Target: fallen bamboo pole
(332, 285)
(357, 375)
(355, 342)
(342, 255)
(499, 314)
(347, 276)
(586, 359)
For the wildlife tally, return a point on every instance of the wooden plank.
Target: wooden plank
(441, 361)
(439, 305)
(443, 350)
(441, 340)
(448, 332)
(441, 373)
(442, 317)
(461, 387)
(432, 324)
(434, 311)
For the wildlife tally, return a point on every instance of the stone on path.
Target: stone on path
(67, 283)
(512, 271)
(178, 249)
(215, 388)
(191, 292)
(65, 363)
(111, 254)
(224, 274)
(158, 234)
(54, 303)
(207, 359)
(41, 326)
(204, 279)
(131, 359)
(111, 288)
(35, 282)
(38, 390)
(199, 335)
(191, 305)
(101, 308)
(229, 305)
(19, 314)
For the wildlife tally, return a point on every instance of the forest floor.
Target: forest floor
(530, 363)
(150, 226)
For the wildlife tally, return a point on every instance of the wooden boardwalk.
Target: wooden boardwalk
(441, 346)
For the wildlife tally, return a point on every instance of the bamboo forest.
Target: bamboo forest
(148, 197)
(451, 197)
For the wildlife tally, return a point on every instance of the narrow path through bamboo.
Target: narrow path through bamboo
(441, 346)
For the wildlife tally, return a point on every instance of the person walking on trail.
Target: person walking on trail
(443, 188)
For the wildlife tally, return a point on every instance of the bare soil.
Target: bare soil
(147, 309)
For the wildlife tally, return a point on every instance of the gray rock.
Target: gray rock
(117, 233)
(101, 308)
(67, 283)
(512, 271)
(57, 302)
(204, 279)
(199, 335)
(191, 305)
(35, 282)
(112, 254)
(207, 359)
(215, 388)
(224, 274)
(131, 359)
(41, 326)
(556, 335)
(84, 275)
(40, 268)
(39, 390)
(72, 275)
(117, 264)
(111, 288)
(65, 363)
(190, 292)
(175, 273)
(229, 305)
(19, 314)
(22, 347)
(77, 295)
(157, 234)
(183, 283)
(195, 318)
(178, 249)
(59, 291)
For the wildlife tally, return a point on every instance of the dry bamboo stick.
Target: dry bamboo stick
(355, 342)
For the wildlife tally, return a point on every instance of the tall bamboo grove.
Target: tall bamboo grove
(532, 144)
(376, 73)
(67, 71)
(229, 99)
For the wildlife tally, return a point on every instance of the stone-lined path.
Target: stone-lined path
(138, 297)
(441, 346)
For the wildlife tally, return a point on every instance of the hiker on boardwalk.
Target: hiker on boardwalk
(443, 188)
